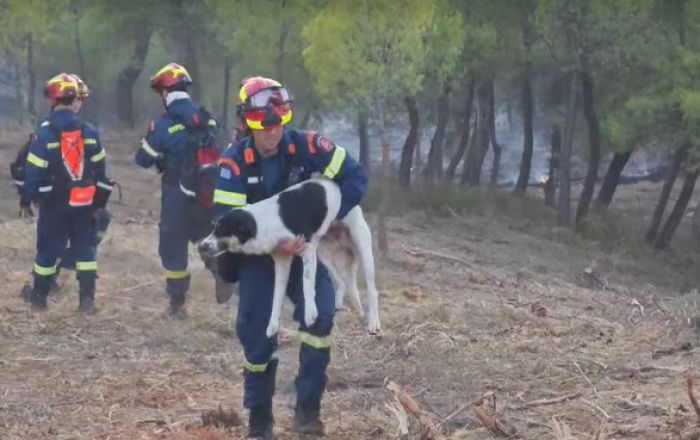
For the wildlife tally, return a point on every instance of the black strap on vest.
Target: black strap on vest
(256, 191)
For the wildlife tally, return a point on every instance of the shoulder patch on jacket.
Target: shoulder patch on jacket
(310, 142)
(230, 163)
(152, 127)
(324, 144)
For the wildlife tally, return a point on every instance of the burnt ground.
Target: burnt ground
(490, 324)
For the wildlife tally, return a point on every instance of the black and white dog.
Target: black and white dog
(306, 209)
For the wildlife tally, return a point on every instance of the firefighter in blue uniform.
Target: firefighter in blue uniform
(258, 166)
(102, 217)
(167, 145)
(65, 175)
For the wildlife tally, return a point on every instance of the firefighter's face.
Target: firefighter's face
(267, 140)
(77, 105)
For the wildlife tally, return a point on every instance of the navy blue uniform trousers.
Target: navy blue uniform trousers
(57, 225)
(256, 278)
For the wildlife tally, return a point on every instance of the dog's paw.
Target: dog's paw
(272, 329)
(310, 314)
(373, 325)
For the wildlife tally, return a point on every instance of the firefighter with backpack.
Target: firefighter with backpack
(65, 176)
(102, 217)
(180, 144)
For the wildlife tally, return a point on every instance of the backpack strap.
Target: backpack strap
(253, 178)
(290, 159)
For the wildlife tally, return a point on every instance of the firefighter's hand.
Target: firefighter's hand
(290, 248)
(25, 211)
(160, 163)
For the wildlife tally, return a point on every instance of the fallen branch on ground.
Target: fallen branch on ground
(690, 383)
(541, 402)
(138, 286)
(495, 425)
(424, 253)
(428, 431)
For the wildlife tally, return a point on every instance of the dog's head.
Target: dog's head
(231, 231)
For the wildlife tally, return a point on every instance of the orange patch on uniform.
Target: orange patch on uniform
(248, 156)
(292, 148)
(231, 164)
(310, 142)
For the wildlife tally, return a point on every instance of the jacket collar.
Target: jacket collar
(284, 145)
(176, 95)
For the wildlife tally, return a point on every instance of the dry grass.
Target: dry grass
(489, 332)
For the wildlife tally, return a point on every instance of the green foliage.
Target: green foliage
(353, 62)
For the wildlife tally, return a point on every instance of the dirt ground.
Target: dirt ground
(490, 324)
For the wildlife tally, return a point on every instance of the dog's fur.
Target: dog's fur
(306, 209)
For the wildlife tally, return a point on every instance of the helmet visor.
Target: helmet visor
(275, 96)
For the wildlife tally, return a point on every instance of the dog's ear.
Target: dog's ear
(245, 227)
(236, 223)
(224, 227)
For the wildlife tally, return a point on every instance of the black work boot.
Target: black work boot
(307, 422)
(40, 292)
(177, 291)
(87, 294)
(260, 423)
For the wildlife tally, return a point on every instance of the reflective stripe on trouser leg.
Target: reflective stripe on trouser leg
(86, 266)
(44, 271)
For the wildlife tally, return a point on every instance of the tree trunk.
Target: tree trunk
(594, 144)
(463, 133)
(281, 43)
(17, 70)
(612, 178)
(31, 75)
(435, 154)
(674, 219)
(472, 145)
(550, 189)
(528, 122)
(670, 180)
(78, 43)
(564, 208)
(418, 157)
(496, 166)
(128, 75)
(228, 65)
(281, 47)
(382, 240)
(478, 149)
(409, 145)
(363, 133)
(305, 119)
(192, 63)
